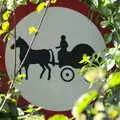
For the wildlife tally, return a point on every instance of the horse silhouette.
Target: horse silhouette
(41, 57)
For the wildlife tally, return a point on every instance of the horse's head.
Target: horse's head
(19, 43)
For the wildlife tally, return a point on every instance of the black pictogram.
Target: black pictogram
(66, 59)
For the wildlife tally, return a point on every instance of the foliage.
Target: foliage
(107, 103)
(109, 11)
(101, 104)
(105, 70)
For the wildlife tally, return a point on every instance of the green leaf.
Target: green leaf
(117, 17)
(2, 96)
(104, 24)
(110, 64)
(107, 37)
(21, 2)
(111, 51)
(117, 58)
(58, 117)
(94, 74)
(10, 5)
(105, 12)
(95, 2)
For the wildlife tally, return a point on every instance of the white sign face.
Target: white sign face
(64, 37)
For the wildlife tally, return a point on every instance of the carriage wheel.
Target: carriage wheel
(67, 74)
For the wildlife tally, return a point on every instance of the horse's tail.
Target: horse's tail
(53, 58)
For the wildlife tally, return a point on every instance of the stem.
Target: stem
(3, 103)
(15, 44)
(12, 83)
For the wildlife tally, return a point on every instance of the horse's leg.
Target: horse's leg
(42, 70)
(49, 71)
(26, 70)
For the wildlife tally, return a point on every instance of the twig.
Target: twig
(16, 72)
(31, 43)
(12, 83)
(14, 43)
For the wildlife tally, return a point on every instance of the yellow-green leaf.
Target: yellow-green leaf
(53, 1)
(1, 32)
(20, 76)
(12, 100)
(6, 15)
(5, 26)
(95, 73)
(30, 110)
(41, 6)
(113, 80)
(8, 37)
(83, 102)
(32, 30)
(85, 59)
(58, 117)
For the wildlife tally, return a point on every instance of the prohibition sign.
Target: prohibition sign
(73, 7)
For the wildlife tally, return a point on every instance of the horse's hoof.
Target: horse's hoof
(48, 79)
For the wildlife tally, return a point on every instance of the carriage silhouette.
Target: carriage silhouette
(67, 60)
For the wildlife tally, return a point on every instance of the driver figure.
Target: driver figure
(62, 53)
